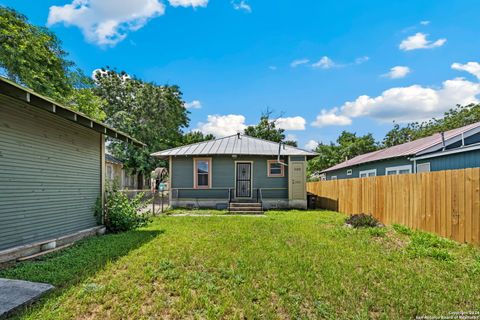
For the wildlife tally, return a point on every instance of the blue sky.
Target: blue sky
(322, 66)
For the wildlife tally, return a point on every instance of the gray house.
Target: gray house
(52, 164)
(237, 169)
(455, 149)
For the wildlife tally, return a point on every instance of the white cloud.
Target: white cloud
(331, 118)
(106, 22)
(241, 5)
(188, 3)
(195, 104)
(397, 72)
(324, 63)
(291, 137)
(291, 123)
(470, 67)
(425, 22)
(419, 41)
(327, 63)
(221, 126)
(311, 145)
(296, 63)
(405, 104)
(361, 60)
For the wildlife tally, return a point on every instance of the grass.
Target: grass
(291, 264)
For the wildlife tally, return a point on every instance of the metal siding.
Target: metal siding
(50, 174)
(223, 170)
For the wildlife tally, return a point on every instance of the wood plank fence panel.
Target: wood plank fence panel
(444, 202)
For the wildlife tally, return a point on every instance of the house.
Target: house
(455, 149)
(115, 172)
(237, 168)
(52, 163)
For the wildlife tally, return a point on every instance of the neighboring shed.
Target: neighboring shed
(115, 172)
(237, 169)
(51, 167)
(454, 149)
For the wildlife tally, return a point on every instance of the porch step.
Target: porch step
(246, 208)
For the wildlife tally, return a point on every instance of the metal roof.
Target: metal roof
(416, 147)
(112, 159)
(15, 91)
(237, 144)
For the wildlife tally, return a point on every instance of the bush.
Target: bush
(122, 213)
(362, 220)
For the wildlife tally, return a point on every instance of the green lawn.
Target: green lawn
(291, 264)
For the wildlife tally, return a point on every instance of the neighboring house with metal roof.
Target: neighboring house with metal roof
(454, 149)
(52, 162)
(237, 169)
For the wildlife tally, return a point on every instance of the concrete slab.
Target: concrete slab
(16, 293)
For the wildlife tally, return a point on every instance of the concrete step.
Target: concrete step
(236, 209)
(245, 204)
(247, 212)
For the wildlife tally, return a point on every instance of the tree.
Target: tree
(33, 56)
(347, 146)
(454, 118)
(266, 129)
(153, 114)
(195, 137)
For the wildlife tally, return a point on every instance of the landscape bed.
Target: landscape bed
(290, 264)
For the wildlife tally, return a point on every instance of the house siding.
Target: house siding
(379, 165)
(469, 159)
(50, 175)
(223, 177)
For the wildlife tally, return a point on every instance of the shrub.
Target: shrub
(122, 213)
(362, 220)
(402, 229)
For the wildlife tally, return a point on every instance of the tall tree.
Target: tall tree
(195, 137)
(347, 146)
(153, 114)
(267, 129)
(454, 118)
(33, 56)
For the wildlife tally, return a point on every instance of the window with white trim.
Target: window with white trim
(333, 178)
(398, 170)
(423, 167)
(368, 173)
(202, 173)
(275, 169)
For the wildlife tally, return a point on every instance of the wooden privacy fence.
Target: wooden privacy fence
(443, 202)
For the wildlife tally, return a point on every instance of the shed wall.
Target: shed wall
(50, 175)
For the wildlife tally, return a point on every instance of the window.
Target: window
(275, 169)
(333, 178)
(398, 170)
(109, 172)
(202, 173)
(349, 172)
(368, 173)
(423, 167)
